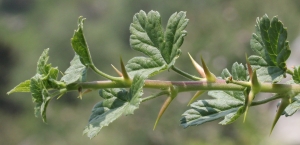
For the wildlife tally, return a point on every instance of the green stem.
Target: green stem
(189, 76)
(242, 83)
(255, 103)
(58, 92)
(185, 86)
(95, 69)
(289, 71)
(155, 95)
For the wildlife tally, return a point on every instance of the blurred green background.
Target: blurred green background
(218, 30)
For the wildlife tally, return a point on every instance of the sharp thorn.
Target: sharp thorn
(118, 72)
(209, 76)
(124, 72)
(198, 67)
(162, 110)
(198, 93)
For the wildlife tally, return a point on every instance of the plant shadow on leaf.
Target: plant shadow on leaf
(116, 102)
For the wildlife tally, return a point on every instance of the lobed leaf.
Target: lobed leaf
(116, 102)
(75, 72)
(227, 104)
(161, 48)
(238, 72)
(270, 43)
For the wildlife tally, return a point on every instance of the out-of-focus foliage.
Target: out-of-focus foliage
(220, 31)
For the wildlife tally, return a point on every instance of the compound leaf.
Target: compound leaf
(161, 48)
(75, 72)
(270, 43)
(227, 104)
(116, 102)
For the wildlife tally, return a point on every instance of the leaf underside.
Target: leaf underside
(292, 108)
(227, 104)
(272, 48)
(76, 72)
(116, 102)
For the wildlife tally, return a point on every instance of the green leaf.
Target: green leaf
(76, 72)
(161, 48)
(227, 104)
(292, 108)
(49, 80)
(36, 88)
(231, 117)
(116, 102)
(46, 99)
(41, 82)
(238, 71)
(270, 43)
(224, 104)
(42, 66)
(296, 75)
(22, 87)
(174, 36)
(40, 96)
(79, 44)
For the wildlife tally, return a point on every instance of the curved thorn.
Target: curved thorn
(124, 72)
(198, 93)
(80, 92)
(162, 110)
(87, 91)
(285, 101)
(209, 76)
(198, 67)
(249, 100)
(173, 93)
(118, 72)
(255, 84)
